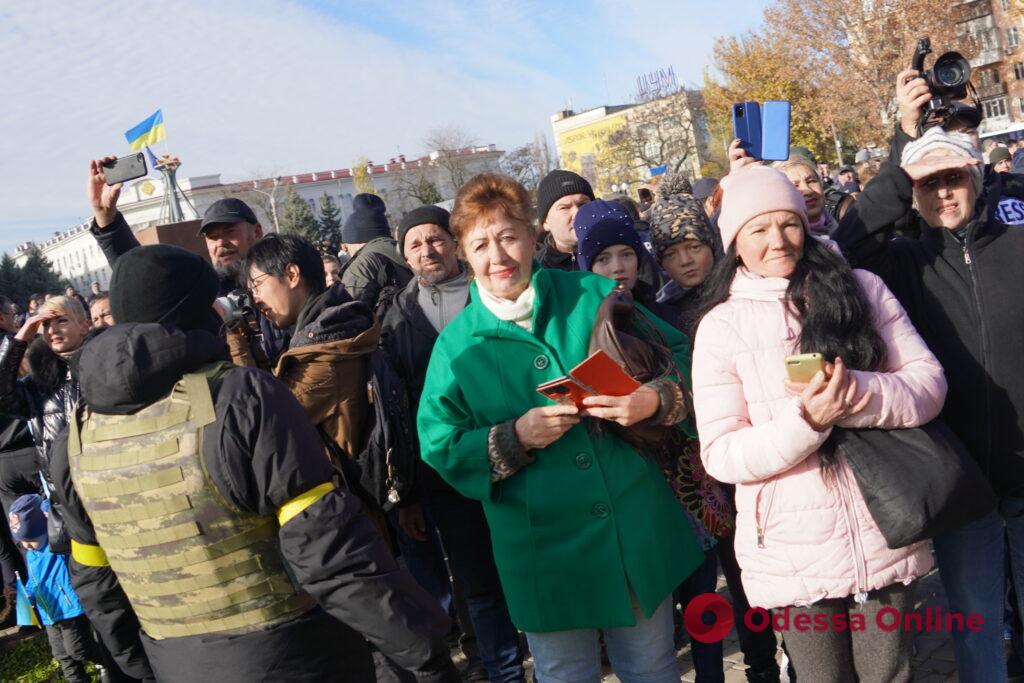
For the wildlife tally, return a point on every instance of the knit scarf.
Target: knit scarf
(824, 226)
(519, 311)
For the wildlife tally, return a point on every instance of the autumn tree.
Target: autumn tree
(361, 177)
(857, 49)
(447, 146)
(297, 218)
(756, 68)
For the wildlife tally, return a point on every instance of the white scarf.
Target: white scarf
(519, 311)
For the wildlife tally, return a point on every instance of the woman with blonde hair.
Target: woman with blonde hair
(804, 176)
(47, 394)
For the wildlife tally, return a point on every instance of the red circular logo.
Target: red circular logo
(693, 618)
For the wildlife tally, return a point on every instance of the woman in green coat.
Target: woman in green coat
(586, 532)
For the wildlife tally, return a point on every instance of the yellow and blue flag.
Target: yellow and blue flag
(26, 615)
(148, 132)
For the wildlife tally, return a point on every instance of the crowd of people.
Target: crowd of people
(269, 463)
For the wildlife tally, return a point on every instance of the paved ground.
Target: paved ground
(934, 657)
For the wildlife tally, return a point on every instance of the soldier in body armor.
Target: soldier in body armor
(200, 498)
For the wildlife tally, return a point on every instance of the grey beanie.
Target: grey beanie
(957, 144)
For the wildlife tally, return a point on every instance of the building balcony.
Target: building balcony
(976, 10)
(986, 57)
(994, 90)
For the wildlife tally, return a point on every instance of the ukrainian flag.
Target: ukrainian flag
(148, 132)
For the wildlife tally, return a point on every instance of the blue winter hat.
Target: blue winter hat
(600, 224)
(26, 518)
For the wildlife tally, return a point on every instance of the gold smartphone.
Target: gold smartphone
(804, 367)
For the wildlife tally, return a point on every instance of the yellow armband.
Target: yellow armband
(89, 555)
(301, 502)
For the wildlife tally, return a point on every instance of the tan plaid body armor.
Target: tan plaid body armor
(189, 563)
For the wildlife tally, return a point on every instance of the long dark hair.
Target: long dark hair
(829, 303)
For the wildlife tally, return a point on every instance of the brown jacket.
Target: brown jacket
(327, 364)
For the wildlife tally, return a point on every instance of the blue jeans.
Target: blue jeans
(707, 657)
(971, 562)
(467, 542)
(639, 654)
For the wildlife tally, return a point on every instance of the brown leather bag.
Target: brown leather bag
(635, 343)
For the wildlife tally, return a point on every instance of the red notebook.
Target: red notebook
(598, 375)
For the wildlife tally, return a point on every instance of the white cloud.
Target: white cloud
(260, 85)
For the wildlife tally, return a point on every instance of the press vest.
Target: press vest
(189, 562)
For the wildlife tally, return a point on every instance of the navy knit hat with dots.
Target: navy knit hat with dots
(600, 224)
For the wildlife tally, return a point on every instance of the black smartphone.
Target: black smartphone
(124, 169)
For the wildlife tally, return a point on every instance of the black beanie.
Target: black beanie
(368, 220)
(556, 185)
(163, 284)
(421, 215)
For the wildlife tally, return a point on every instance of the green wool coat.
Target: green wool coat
(591, 519)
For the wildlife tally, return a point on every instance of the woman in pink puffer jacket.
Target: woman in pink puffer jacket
(805, 540)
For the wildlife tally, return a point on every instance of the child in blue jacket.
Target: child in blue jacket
(48, 586)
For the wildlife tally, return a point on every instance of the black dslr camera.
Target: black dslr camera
(949, 80)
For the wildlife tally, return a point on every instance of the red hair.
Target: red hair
(486, 196)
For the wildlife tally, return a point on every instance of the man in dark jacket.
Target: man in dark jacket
(438, 292)
(961, 284)
(376, 270)
(229, 227)
(200, 499)
(559, 196)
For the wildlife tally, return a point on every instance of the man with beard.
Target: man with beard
(229, 226)
(437, 293)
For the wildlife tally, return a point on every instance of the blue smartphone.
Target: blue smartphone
(746, 126)
(775, 130)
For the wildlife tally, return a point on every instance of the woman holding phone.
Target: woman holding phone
(805, 540)
(579, 519)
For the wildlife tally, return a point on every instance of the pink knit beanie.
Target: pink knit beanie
(752, 191)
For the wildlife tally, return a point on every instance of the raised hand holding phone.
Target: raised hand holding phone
(102, 196)
(763, 130)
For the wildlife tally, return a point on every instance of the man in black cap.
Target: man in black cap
(229, 226)
(200, 499)
(559, 197)
(376, 271)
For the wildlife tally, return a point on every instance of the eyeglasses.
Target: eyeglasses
(254, 283)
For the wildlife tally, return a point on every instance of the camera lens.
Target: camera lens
(949, 75)
(952, 71)
(739, 112)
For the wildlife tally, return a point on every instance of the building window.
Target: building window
(995, 108)
(1004, 5)
(988, 77)
(1012, 37)
(1018, 70)
(988, 39)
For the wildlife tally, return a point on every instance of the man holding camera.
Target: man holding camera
(229, 227)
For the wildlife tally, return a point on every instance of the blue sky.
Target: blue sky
(263, 87)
